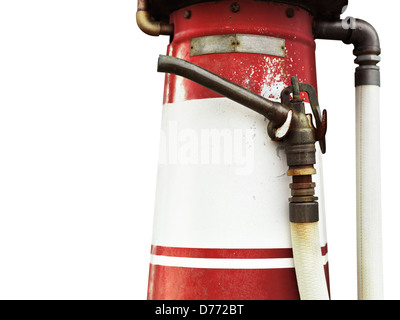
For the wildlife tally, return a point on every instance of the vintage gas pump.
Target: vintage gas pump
(242, 132)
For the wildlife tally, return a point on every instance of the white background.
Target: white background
(80, 112)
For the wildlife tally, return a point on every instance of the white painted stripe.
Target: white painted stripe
(207, 263)
(220, 146)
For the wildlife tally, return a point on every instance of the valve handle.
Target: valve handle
(320, 119)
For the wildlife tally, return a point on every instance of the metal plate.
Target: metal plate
(245, 43)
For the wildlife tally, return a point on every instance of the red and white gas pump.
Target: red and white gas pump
(242, 133)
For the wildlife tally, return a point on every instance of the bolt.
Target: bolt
(187, 14)
(290, 12)
(235, 7)
(296, 89)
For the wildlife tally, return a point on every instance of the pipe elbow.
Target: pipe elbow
(351, 31)
(150, 27)
(364, 38)
(366, 45)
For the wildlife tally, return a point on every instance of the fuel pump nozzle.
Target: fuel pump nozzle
(284, 117)
(280, 116)
(290, 123)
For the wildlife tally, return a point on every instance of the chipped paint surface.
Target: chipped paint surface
(264, 74)
(275, 80)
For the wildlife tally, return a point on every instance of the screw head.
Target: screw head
(290, 12)
(187, 14)
(235, 7)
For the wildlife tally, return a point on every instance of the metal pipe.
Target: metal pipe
(366, 45)
(354, 31)
(273, 111)
(367, 82)
(149, 26)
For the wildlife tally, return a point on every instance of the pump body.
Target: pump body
(221, 227)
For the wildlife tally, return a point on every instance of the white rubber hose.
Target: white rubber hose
(308, 261)
(369, 224)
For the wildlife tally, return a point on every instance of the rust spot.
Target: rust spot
(302, 179)
(235, 43)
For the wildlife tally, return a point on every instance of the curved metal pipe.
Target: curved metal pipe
(366, 45)
(273, 111)
(354, 31)
(147, 25)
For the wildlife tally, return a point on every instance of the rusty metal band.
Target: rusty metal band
(244, 43)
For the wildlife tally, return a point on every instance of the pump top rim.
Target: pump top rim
(327, 10)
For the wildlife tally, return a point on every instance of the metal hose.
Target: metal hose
(273, 111)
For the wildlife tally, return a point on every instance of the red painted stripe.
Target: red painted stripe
(174, 283)
(226, 253)
(324, 250)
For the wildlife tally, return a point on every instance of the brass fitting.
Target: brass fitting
(303, 205)
(300, 151)
(149, 26)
